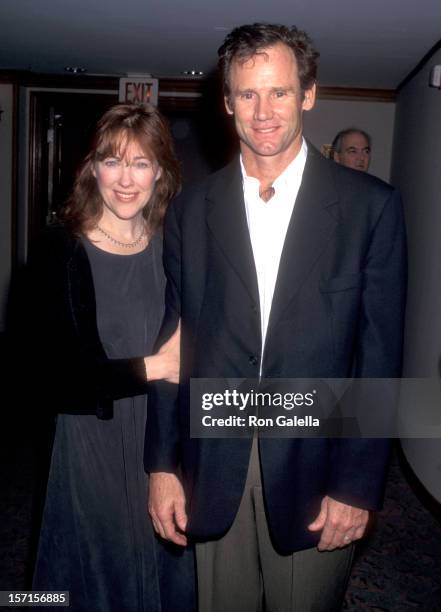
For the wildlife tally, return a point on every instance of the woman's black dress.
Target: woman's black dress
(96, 539)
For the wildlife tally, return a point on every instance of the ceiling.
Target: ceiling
(373, 44)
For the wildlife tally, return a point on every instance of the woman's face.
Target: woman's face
(126, 183)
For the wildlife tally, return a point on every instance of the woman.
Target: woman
(97, 294)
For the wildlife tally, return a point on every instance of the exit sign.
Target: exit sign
(139, 90)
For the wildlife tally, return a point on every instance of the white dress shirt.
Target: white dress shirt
(267, 224)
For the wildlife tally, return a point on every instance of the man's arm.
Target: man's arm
(167, 507)
(339, 523)
(161, 451)
(358, 466)
(162, 447)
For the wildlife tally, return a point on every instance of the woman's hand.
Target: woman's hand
(165, 364)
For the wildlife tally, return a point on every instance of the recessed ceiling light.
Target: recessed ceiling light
(75, 69)
(193, 73)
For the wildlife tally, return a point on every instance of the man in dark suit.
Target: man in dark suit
(281, 265)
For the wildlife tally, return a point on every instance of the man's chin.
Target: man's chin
(266, 149)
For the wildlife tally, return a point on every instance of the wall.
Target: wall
(377, 118)
(6, 169)
(417, 172)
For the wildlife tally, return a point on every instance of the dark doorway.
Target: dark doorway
(61, 126)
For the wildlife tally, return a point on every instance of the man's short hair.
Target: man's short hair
(242, 43)
(338, 140)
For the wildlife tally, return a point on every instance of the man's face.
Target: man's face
(267, 103)
(355, 152)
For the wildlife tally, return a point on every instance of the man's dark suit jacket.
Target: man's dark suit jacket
(337, 312)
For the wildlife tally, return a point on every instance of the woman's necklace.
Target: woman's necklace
(126, 245)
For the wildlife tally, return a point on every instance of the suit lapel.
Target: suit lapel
(314, 220)
(226, 219)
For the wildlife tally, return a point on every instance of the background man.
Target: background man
(352, 148)
(282, 264)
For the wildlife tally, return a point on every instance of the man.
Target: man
(281, 265)
(352, 148)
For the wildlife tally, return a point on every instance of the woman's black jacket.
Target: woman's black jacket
(56, 334)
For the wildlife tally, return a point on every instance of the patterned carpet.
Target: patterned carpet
(398, 568)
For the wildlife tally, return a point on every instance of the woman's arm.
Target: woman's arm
(164, 365)
(69, 367)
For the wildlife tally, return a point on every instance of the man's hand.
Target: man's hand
(167, 507)
(165, 364)
(340, 524)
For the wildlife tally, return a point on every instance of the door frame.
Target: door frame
(34, 163)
